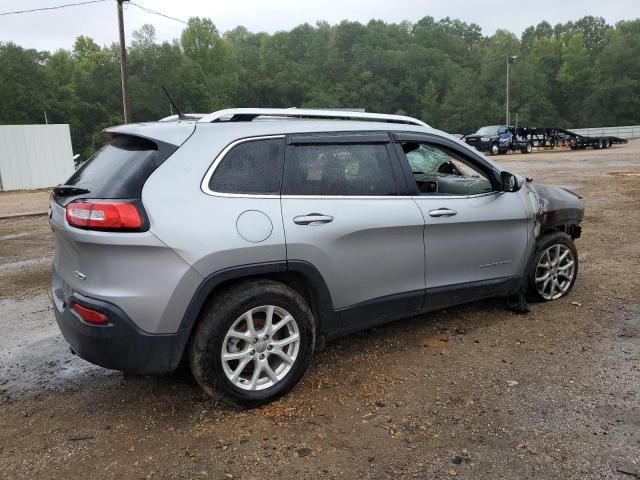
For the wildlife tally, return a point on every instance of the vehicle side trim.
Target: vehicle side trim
(378, 311)
(212, 281)
(338, 138)
(394, 307)
(319, 290)
(311, 138)
(337, 323)
(449, 295)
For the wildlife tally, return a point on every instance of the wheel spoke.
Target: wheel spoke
(552, 289)
(269, 371)
(249, 319)
(546, 264)
(557, 255)
(241, 335)
(235, 355)
(280, 324)
(285, 341)
(557, 287)
(256, 374)
(269, 320)
(564, 255)
(282, 355)
(543, 277)
(241, 366)
(566, 266)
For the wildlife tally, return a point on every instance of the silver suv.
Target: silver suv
(242, 240)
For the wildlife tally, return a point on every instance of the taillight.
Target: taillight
(89, 315)
(103, 215)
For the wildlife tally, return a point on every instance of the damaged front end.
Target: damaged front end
(555, 209)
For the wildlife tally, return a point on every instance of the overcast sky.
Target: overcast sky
(55, 29)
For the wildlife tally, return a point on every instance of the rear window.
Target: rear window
(120, 168)
(252, 167)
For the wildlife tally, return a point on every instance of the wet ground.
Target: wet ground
(470, 392)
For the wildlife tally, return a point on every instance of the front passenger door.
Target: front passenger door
(475, 234)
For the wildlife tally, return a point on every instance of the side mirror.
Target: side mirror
(509, 182)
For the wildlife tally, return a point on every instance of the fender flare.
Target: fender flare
(321, 297)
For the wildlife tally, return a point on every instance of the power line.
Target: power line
(57, 7)
(148, 10)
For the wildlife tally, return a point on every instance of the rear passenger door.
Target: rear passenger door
(344, 213)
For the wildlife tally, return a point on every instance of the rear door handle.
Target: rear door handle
(312, 219)
(442, 212)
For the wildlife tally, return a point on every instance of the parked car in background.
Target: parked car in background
(243, 239)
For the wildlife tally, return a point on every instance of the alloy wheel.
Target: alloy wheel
(555, 271)
(260, 348)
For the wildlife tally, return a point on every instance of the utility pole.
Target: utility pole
(124, 69)
(510, 60)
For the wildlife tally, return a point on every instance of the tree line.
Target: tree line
(446, 72)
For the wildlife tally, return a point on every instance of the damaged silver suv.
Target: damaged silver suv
(242, 240)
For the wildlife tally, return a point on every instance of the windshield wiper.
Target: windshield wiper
(67, 190)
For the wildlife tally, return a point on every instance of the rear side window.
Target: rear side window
(351, 170)
(120, 168)
(252, 167)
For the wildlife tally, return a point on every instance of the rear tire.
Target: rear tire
(554, 268)
(240, 346)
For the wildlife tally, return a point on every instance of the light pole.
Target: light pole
(510, 60)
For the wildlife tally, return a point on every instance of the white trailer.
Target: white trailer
(34, 156)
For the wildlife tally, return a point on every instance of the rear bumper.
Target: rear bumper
(120, 345)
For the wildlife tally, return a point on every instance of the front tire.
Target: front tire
(554, 269)
(253, 343)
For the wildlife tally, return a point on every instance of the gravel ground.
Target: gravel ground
(23, 202)
(471, 392)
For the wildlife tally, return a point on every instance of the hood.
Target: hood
(475, 135)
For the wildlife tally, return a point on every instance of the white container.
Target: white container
(34, 156)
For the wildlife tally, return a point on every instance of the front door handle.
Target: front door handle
(312, 219)
(442, 212)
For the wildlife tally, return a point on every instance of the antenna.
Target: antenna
(181, 116)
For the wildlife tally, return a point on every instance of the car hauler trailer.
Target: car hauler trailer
(499, 139)
(579, 142)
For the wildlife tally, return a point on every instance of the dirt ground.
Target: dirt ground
(23, 202)
(469, 392)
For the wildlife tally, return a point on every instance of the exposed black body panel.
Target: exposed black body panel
(559, 207)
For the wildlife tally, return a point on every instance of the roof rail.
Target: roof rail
(249, 114)
(186, 116)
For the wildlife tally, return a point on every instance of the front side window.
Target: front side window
(352, 169)
(253, 167)
(440, 171)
